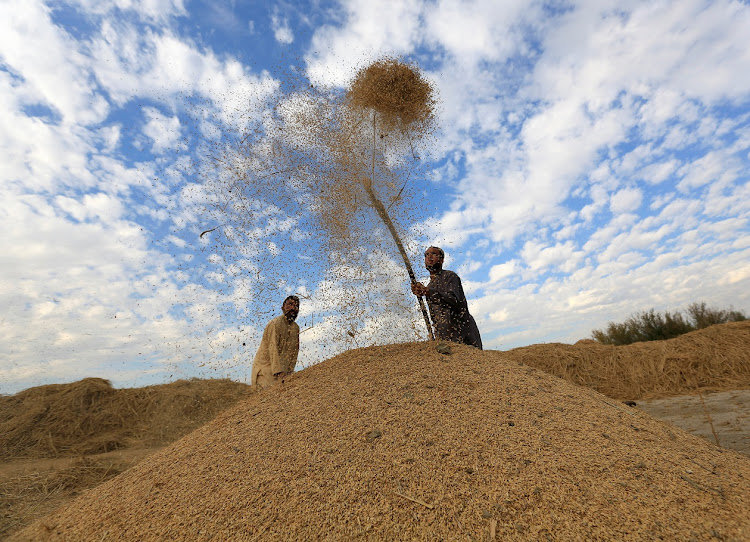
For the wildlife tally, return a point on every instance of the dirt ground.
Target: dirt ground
(712, 415)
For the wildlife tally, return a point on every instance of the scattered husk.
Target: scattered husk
(716, 358)
(326, 175)
(401, 442)
(91, 417)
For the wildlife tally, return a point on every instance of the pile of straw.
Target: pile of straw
(90, 416)
(404, 443)
(715, 358)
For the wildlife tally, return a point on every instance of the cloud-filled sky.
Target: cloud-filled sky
(591, 162)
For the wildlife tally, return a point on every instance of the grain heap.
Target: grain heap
(401, 442)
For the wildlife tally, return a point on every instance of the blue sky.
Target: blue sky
(591, 162)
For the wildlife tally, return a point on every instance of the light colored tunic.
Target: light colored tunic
(277, 352)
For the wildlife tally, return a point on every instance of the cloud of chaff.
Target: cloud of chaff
(290, 212)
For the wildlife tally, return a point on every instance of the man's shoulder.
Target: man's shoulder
(275, 321)
(281, 320)
(449, 274)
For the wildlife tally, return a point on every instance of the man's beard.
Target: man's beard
(291, 316)
(436, 268)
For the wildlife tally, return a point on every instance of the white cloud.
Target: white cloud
(164, 131)
(158, 10)
(281, 30)
(85, 289)
(43, 155)
(371, 29)
(477, 30)
(501, 271)
(53, 75)
(626, 200)
(73, 301)
(562, 255)
(736, 275)
(595, 90)
(658, 172)
(597, 297)
(702, 171)
(163, 66)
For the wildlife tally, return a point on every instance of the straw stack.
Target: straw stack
(398, 91)
(91, 417)
(715, 358)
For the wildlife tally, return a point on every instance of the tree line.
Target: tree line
(655, 326)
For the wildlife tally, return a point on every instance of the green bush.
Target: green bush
(653, 326)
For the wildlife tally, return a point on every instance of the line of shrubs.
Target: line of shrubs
(654, 326)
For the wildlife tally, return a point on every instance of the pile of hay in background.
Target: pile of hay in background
(715, 358)
(91, 417)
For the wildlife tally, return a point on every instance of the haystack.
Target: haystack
(91, 417)
(711, 359)
(403, 443)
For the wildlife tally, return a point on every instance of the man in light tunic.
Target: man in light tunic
(277, 353)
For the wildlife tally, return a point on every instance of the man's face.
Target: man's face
(433, 260)
(290, 309)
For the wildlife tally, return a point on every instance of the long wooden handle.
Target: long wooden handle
(380, 208)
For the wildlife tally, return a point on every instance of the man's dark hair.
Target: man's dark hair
(292, 297)
(440, 250)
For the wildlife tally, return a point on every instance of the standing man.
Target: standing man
(277, 353)
(447, 302)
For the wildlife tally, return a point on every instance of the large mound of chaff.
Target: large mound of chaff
(401, 442)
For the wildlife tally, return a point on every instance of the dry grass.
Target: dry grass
(716, 358)
(403, 443)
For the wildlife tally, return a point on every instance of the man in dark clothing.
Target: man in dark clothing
(447, 302)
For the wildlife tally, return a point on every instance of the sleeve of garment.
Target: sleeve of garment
(451, 295)
(273, 349)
